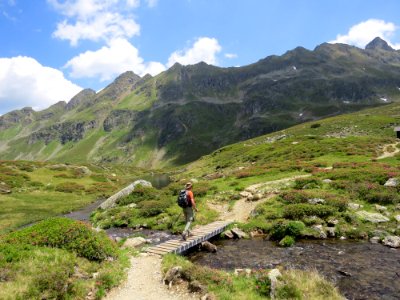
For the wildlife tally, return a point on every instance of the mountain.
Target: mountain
(188, 111)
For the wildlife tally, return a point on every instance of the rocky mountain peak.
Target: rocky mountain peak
(80, 97)
(378, 43)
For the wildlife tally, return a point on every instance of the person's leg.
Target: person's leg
(188, 211)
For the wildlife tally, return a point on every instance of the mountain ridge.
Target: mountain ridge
(188, 111)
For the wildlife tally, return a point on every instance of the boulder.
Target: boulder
(332, 222)
(239, 233)
(331, 231)
(316, 201)
(172, 275)
(380, 208)
(354, 206)
(83, 170)
(375, 240)
(397, 218)
(320, 230)
(393, 182)
(245, 194)
(228, 234)
(327, 180)
(196, 287)
(111, 201)
(134, 242)
(209, 247)
(392, 241)
(372, 217)
(273, 276)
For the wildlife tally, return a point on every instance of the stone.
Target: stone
(118, 239)
(257, 196)
(83, 170)
(392, 241)
(316, 201)
(380, 208)
(320, 230)
(327, 180)
(273, 276)
(245, 194)
(134, 242)
(397, 218)
(172, 275)
(379, 233)
(393, 182)
(239, 233)
(332, 222)
(209, 247)
(196, 287)
(132, 205)
(331, 231)
(372, 217)
(354, 206)
(209, 296)
(375, 240)
(111, 201)
(228, 234)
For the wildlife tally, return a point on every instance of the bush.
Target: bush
(287, 241)
(315, 125)
(307, 183)
(69, 187)
(262, 282)
(67, 234)
(150, 208)
(298, 211)
(281, 229)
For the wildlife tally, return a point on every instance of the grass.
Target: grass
(49, 261)
(294, 284)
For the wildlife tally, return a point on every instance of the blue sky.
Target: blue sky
(51, 49)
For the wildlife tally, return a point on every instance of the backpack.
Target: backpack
(182, 199)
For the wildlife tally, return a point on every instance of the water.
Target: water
(360, 270)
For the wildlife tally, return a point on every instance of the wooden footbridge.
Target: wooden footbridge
(197, 236)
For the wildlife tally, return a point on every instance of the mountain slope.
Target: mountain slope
(188, 111)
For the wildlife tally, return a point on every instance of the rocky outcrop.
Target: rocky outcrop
(85, 95)
(111, 201)
(119, 118)
(378, 43)
(24, 116)
(63, 132)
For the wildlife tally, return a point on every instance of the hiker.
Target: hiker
(188, 211)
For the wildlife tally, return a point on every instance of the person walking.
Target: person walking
(189, 210)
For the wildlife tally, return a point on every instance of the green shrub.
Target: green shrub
(150, 208)
(67, 234)
(287, 241)
(315, 125)
(281, 229)
(262, 282)
(307, 183)
(69, 187)
(298, 211)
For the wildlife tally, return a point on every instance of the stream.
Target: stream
(360, 270)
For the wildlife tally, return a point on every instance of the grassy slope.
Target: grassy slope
(42, 190)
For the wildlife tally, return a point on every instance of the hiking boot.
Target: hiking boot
(184, 236)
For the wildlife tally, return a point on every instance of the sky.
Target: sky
(52, 49)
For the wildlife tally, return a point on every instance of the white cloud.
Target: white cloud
(152, 3)
(25, 82)
(231, 55)
(204, 49)
(95, 20)
(362, 33)
(110, 61)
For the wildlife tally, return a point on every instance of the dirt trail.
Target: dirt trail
(243, 208)
(145, 282)
(389, 150)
